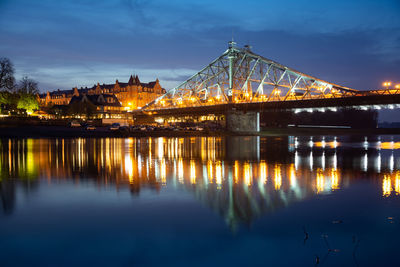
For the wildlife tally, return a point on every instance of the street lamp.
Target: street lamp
(397, 86)
(387, 84)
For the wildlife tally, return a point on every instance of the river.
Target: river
(196, 201)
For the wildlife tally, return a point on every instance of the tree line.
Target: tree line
(16, 96)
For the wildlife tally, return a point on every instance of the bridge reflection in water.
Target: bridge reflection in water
(241, 178)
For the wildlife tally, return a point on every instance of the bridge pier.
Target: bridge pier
(239, 121)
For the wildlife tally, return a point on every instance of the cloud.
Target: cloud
(345, 58)
(68, 43)
(68, 76)
(165, 17)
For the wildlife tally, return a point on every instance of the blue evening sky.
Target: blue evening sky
(62, 44)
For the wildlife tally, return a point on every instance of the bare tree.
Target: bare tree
(27, 86)
(7, 80)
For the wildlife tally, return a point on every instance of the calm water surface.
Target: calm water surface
(216, 201)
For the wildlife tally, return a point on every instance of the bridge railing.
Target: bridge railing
(252, 98)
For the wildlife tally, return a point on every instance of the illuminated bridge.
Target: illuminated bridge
(240, 84)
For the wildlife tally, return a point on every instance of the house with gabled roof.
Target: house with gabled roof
(106, 104)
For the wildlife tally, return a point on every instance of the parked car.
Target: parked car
(124, 129)
(114, 126)
(74, 124)
(134, 128)
(90, 128)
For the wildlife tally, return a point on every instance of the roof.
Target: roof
(86, 90)
(98, 100)
(107, 86)
(150, 84)
(133, 80)
(123, 84)
(61, 92)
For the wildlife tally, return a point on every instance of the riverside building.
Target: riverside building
(132, 95)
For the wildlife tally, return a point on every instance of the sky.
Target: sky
(63, 44)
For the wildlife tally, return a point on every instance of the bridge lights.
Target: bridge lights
(397, 86)
(387, 84)
(277, 92)
(247, 95)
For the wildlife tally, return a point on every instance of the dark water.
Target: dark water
(230, 201)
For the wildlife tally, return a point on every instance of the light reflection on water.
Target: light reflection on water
(241, 180)
(246, 172)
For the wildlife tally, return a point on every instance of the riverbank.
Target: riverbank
(41, 131)
(99, 132)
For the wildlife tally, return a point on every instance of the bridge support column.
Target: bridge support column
(239, 121)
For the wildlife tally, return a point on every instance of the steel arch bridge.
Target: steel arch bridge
(240, 76)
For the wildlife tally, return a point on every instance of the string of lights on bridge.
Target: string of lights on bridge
(388, 84)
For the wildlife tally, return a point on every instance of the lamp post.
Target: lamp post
(387, 84)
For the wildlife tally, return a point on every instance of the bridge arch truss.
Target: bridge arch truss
(241, 76)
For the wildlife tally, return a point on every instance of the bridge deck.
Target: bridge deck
(384, 98)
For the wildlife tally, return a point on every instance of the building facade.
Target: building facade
(57, 97)
(131, 95)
